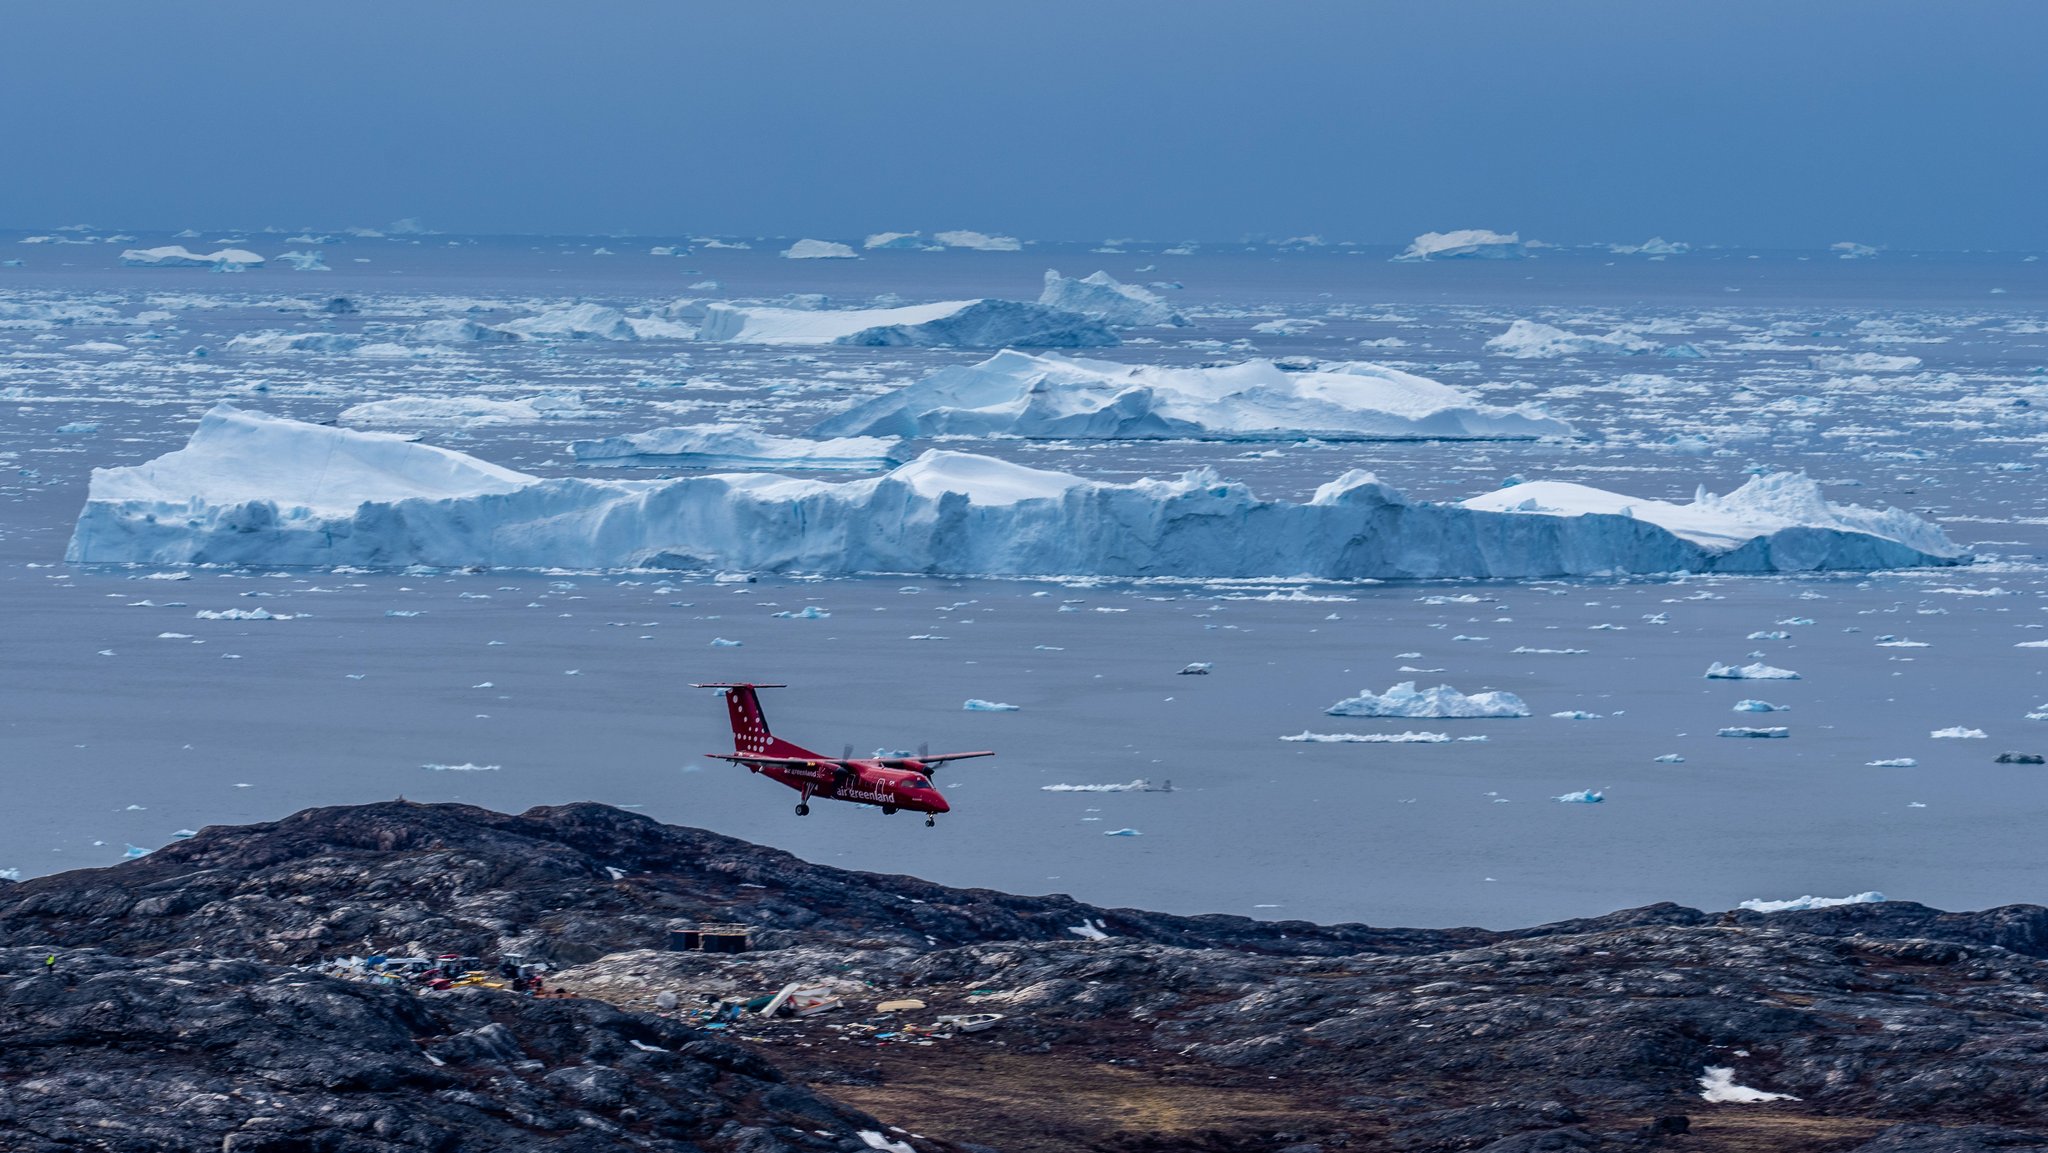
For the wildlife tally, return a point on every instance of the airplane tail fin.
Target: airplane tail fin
(749, 725)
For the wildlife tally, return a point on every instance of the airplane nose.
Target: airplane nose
(939, 804)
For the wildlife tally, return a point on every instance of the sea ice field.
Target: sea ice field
(478, 510)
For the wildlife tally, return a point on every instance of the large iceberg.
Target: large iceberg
(946, 324)
(734, 446)
(261, 490)
(1057, 398)
(1465, 243)
(176, 256)
(1108, 300)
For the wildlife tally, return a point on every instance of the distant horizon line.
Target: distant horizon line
(60, 235)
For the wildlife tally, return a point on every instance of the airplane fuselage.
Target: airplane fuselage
(862, 782)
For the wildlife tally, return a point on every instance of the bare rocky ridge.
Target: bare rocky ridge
(176, 1021)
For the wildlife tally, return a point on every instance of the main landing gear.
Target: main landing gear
(802, 809)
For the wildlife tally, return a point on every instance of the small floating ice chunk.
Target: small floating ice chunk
(1958, 732)
(723, 643)
(405, 612)
(1718, 1086)
(1756, 706)
(1801, 904)
(1582, 797)
(242, 615)
(1576, 715)
(1893, 763)
(1195, 669)
(134, 851)
(807, 613)
(977, 705)
(1758, 671)
(1560, 652)
(1122, 833)
(1138, 786)
(464, 767)
(1669, 759)
(1770, 635)
(1776, 731)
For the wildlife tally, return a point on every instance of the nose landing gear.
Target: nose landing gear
(930, 820)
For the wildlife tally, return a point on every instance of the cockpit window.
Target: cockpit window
(918, 783)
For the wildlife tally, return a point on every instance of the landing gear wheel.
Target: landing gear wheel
(803, 810)
(888, 810)
(930, 820)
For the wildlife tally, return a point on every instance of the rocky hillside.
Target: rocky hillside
(182, 1014)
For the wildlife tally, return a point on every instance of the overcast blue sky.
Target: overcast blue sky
(1915, 125)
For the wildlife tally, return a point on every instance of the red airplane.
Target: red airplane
(891, 782)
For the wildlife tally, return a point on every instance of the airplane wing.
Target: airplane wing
(789, 762)
(933, 759)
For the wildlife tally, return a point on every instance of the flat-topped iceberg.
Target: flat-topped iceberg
(1103, 297)
(177, 256)
(1057, 398)
(1465, 244)
(734, 446)
(261, 490)
(945, 324)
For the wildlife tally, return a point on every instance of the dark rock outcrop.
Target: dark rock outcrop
(175, 1021)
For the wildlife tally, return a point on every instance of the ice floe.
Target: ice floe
(1408, 738)
(819, 250)
(1060, 398)
(946, 324)
(1758, 671)
(1103, 297)
(1959, 733)
(980, 241)
(1893, 763)
(255, 489)
(1756, 706)
(1465, 243)
(1443, 701)
(176, 256)
(1531, 340)
(1774, 732)
(735, 446)
(977, 705)
(463, 411)
(1865, 362)
(1138, 786)
(1802, 904)
(1581, 797)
